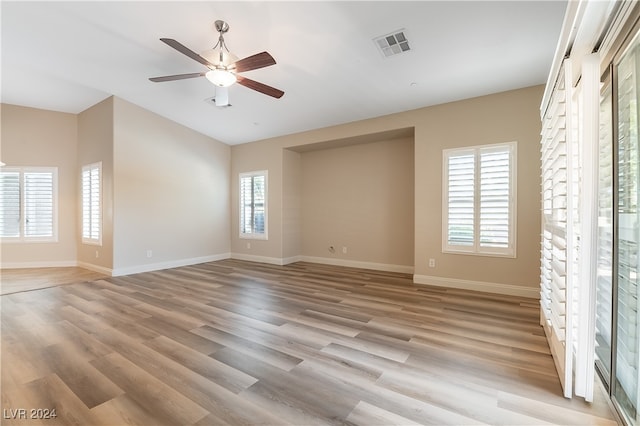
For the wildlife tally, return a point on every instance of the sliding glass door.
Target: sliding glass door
(627, 347)
(604, 238)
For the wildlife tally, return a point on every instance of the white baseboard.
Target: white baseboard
(39, 264)
(116, 272)
(95, 268)
(261, 259)
(506, 289)
(358, 264)
(292, 259)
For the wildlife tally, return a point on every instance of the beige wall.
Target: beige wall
(249, 158)
(149, 207)
(33, 137)
(171, 192)
(359, 197)
(502, 117)
(95, 144)
(165, 187)
(291, 205)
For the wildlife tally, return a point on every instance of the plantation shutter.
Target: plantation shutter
(10, 207)
(253, 204)
(479, 199)
(91, 203)
(258, 204)
(555, 296)
(495, 196)
(28, 203)
(246, 194)
(461, 202)
(38, 204)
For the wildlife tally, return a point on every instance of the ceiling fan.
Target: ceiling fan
(224, 67)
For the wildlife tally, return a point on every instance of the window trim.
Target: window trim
(476, 248)
(253, 236)
(85, 240)
(22, 238)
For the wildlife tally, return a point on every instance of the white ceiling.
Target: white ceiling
(68, 56)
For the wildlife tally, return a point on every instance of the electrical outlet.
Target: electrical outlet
(97, 254)
(344, 250)
(249, 246)
(149, 253)
(432, 263)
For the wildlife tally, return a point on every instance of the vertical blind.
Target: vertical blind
(91, 203)
(28, 203)
(253, 204)
(480, 199)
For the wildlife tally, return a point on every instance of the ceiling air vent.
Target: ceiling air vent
(392, 44)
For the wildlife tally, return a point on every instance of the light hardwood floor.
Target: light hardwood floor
(16, 280)
(234, 342)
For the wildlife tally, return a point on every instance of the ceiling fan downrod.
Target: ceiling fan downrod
(222, 27)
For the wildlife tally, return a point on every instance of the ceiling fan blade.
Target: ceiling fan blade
(186, 51)
(260, 87)
(177, 77)
(259, 60)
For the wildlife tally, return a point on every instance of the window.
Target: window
(28, 204)
(253, 205)
(479, 200)
(91, 204)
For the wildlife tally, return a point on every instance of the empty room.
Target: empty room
(317, 212)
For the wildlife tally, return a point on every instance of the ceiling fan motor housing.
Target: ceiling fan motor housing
(221, 26)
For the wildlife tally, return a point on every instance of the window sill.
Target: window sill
(509, 255)
(253, 237)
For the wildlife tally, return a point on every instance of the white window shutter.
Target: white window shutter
(479, 199)
(92, 203)
(460, 203)
(28, 203)
(245, 204)
(253, 205)
(556, 252)
(9, 204)
(38, 204)
(495, 193)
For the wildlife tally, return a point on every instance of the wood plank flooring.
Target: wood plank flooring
(234, 342)
(25, 279)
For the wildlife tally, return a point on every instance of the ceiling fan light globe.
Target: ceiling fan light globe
(221, 78)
